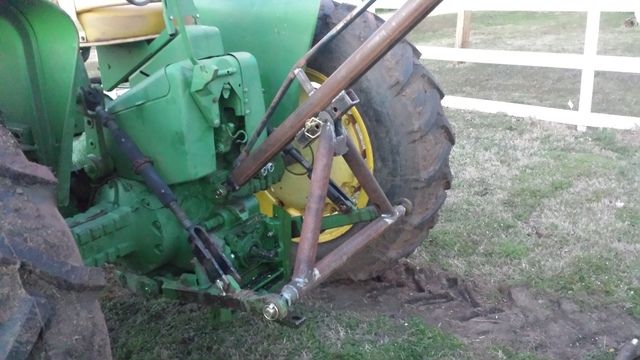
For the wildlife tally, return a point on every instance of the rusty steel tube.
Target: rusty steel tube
(338, 257)
(344, 252)
(313, 211)
(332, 34)
(369, 53)
(366, 178)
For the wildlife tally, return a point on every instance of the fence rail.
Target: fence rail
(588, 62)
(625, 64)
(453, 6)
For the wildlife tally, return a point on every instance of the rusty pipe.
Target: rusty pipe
(332, 34)
(369, 53)
(313, 211)
(339, 256)
(366, 179)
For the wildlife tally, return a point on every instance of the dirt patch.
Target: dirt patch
(557, 328)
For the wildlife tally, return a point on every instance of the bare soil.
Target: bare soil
(519, 319)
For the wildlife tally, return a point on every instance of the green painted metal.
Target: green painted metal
(128, 225)
(194, 110)
(119, 62)
(338, 220)
(276, 32)
(40, 74)
(191, 104)
(190, 117)
(287, 26)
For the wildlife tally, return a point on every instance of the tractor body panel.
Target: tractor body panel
(196, 91)
(146, 178)
(276, 32)
(40, 74)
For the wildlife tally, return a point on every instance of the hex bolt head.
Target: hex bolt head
(220, 285)
(221, 192)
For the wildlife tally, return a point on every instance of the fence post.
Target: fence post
(588, 71)
(463, 29)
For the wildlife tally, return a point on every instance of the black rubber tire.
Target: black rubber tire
(48, 299)
(411, 138)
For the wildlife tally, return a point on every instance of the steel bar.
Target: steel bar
(370, 52)
(339, 256)
(313, 211)
(365, 178)
(333, 221)
(300, 64)
(335, 259)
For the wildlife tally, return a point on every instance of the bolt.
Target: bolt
(267, 169)
(221, 192)
(271, 312)
(220, 286)
(146, 289)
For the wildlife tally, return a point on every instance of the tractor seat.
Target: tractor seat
(105, 22)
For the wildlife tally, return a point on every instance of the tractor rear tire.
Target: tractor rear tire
(48, 299)
(410, 136)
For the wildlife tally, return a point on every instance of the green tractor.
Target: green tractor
(234, 153)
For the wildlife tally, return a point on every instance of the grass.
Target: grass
(551, 208)
(543, 205)
(532, 204)
(532, 31)
(615, 93)
(194, 332)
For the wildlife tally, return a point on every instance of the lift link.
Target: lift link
(204, 249)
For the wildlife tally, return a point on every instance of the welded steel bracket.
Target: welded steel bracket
(307, 272)
(342, 103)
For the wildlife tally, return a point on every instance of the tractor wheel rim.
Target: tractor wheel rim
(292, 190)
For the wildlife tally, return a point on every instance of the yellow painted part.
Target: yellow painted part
(111, 23)
(291, 192)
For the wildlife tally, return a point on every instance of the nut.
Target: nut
(271, 312)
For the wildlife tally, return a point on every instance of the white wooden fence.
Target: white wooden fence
(588, 62)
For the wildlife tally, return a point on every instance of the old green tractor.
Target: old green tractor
(167, 164)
